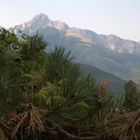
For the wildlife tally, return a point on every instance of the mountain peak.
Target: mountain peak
(40, 21)
(41, 17)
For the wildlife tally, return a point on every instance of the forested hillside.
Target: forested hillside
(115, 84)
(45, 96)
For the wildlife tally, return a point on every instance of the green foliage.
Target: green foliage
(82, 105)
(46, 95)
(131, 96)
(10, 70)
(32, 52)
(49, 96)
(60, 70)
(56, 65)
(15, 58)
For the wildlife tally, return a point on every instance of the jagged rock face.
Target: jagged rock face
(107, 52)
(111, 42)
(39, 22)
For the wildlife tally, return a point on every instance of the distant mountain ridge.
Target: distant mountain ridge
(109, 53)
(111, 41)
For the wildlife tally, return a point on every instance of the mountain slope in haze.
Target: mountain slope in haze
(115, 84)
(106, 52)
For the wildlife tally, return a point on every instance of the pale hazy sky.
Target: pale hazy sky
(120, 17)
